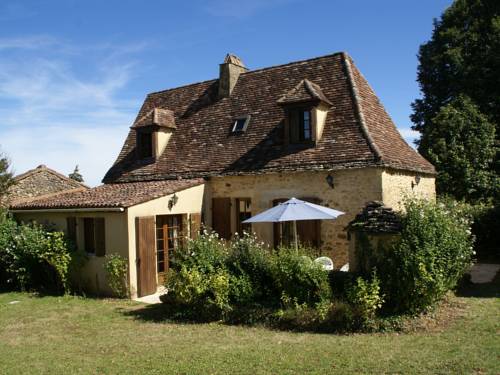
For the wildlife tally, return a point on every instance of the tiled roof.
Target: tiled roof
(305, 91)
(109, 195)
(44, 169)
(358, 132)
(156, 117)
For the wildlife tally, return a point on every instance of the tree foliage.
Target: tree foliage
(6, 178)
(76, 175)
(463, 150)
(462, 58)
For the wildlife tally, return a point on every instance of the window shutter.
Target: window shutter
(309, 231)
(194, 225)
(71, 229)
(221, 217)
(100, 238)
(146, 255)
(294, 126)
(89, 235)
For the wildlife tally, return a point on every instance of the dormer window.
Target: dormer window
(153, 131)
(305, 108)
(300, 125)
(144, 144)
(241, 124)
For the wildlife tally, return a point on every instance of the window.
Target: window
(145, 144)
(240, 124)
(243, 212)
(168, 241)
(93, 236)
(300, 125)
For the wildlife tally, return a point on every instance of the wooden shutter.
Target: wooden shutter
(194, 225)
(276, 226)
(71, 229)
(294, 125)
(88, 235)
(221, 217)
(309, 231)
(146, 255)
(100, 237)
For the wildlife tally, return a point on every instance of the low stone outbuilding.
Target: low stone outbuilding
(41, 182)
(375, 227)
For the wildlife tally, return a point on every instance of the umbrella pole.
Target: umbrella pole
(295, 235)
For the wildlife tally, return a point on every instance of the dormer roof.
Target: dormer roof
(304, 91)
(163, 118)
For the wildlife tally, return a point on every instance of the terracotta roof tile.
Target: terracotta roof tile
(305, 91)
(358, 132)
(109, 195)
(156, 117)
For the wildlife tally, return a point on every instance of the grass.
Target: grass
(66, 335)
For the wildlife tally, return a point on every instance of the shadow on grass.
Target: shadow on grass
(483, 290)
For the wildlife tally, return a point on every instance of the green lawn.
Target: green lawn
(74, 335)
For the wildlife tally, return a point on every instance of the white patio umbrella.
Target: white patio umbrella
(295, 210)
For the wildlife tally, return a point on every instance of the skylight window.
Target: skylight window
(241, 124)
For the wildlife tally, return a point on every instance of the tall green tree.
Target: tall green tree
(462, 150)
(6, 178)
(462, 58)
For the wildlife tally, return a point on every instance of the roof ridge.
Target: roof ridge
(251, 71)
(357, 107)
(182, 86)
(292, 63)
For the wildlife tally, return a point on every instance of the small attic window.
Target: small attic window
(145, 144)
(241, 124)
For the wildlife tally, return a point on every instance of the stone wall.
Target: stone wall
(352, 189)
(40, 181)
(399, 184)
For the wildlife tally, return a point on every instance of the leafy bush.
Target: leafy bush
(485, 219)
(206, 253)
(251, 265)
(208, 295)
(116, 268)
(366, 297)
(433, 253)
(299, 278)
(32, 258)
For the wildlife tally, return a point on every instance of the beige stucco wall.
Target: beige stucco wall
(92, 276)
(353, 188)
(396, 185)
(189, 201)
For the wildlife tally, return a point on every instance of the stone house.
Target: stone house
(41, 182)
(222, 150)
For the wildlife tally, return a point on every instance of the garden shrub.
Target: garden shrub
(207, 253)
(208, 295)
(432, 255)
(251, 265)
(365, 295)
(299, 278)
(32, 258)
(116, 268)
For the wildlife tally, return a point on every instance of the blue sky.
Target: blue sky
(73, 74)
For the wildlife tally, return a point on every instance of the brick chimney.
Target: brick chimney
(229, 72)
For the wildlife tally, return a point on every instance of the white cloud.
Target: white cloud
(409, 135)
(53, 111)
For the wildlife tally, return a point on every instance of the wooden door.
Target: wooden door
(145, 252)
(221, 217)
